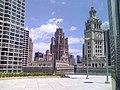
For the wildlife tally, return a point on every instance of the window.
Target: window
(1, 18)
(1, 6)
(5, 36)
(6, 41)
(1, 14)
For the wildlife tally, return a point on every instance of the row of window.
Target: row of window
(98, 51)
(16, 1)
(6, 31)
(21, 22)
(98, 54)
(3, 57)
(14, 5)
(13, 17)
(10, 62)
(11, 46)
(10, 54)
(97, 26)
(8, 25)
(5, 40)
(98, 46)
(98, 42)
(13, 35)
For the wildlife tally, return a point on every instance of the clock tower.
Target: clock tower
(94, 41)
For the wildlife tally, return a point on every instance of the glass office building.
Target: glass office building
(12, 14)
(114, 21)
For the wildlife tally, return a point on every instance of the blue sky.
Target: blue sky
(44, 16)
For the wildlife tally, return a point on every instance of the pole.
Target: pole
(54, 64)
(106, 58)
(87, 70)
(87, 58)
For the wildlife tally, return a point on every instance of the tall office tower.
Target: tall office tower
(79, 58)
(25, 48)
(94, 41)
(12, 13)
(114, 21)
(107, 42)
(38, 56)
(30, 51)
(59, 46)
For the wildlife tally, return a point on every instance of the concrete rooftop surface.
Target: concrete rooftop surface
(75, 82)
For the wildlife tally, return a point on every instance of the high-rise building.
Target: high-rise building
(25, 48)
(30, 51)
(107, 40)
(12, 13)
(59, 46)
(114, 21)
(38, 56)
(79, 58)
(94, 41)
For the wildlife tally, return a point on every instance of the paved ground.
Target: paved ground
(75, 82)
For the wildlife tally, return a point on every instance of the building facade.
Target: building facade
(12, 13)
(30, 51)
(59, 47)
(94, 41)
(43, 60)
(72, 60)
(107, 42)
(38, 56)
(25, 48)
(114, 21)
(79, 58)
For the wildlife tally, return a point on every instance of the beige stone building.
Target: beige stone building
(94, 41)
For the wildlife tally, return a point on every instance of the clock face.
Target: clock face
(98, 36)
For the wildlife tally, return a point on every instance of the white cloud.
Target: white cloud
(45, 31)
(74, 40)
(73, 28)
(39, 47)
(105, 24)
(55, 21)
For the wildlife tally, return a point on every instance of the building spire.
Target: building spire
(92, 12)
(91, 3)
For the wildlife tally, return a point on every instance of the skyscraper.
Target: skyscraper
(38, 56)
(94, 41)
(114, 21)
(25, 48)
(79, 58)
(59, 46)
(12, 13)
(107, 40)
(30, 51)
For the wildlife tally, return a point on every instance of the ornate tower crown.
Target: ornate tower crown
(92, 13)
